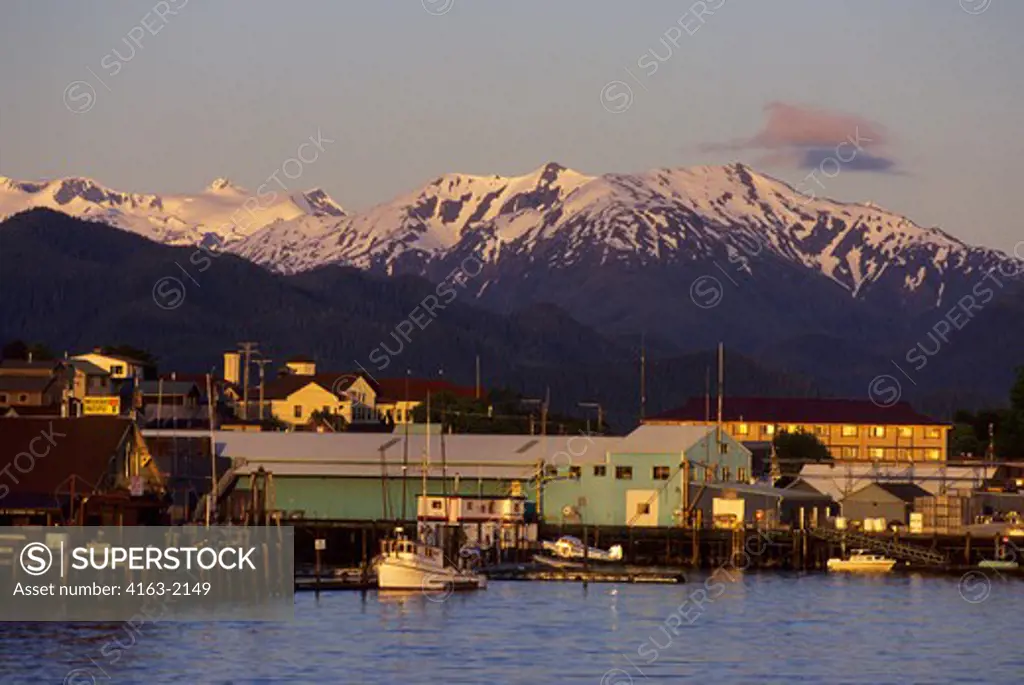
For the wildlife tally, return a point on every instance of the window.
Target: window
(821, 430)
(3, 398)
(575, 472)
(469, 506)
(906, 432)
(933, 433)
(742, 429)
(792, 428)
(723, 448)
(116, 370)
(661, 473)
(903, 454)
(709, 475)
(768, 429)
(298, 411)
(849, 431)
(848, 452)
(600, 471)
(741, 475)
(23, 397)
(624, 472)
(435, 504)
(551, 470)
(878, 431)
(643, 509)
(876, 453)
(932, 455)
(725, 473)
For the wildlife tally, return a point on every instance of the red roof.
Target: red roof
(394, 389)
(799, 410)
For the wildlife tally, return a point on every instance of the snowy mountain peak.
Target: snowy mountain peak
(223, 185)
(319, 203)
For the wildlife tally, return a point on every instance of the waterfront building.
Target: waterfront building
(349, 476)
(90, 470)
(889, 500)
(851, 429)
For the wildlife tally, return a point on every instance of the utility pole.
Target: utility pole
(247, 349)
(721, 387)
(261, 363)
(643, 377)
(478, 376)
(405, 444)
(212, 502)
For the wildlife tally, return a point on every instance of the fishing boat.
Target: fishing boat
(571, 549)
(862, 561)
(404, 564)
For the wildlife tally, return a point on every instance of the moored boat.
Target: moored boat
(408, 565)
(569, 547)
(862, 561)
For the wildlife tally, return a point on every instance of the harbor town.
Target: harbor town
(379, 473)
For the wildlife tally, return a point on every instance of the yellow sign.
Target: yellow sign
(101, 405)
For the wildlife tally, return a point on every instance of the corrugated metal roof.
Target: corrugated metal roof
(838, 480)
(662, 439)
(495, 456)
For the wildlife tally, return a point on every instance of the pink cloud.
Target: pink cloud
(798, 136)
(797, 126)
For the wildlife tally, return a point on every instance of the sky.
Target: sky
(149, 96)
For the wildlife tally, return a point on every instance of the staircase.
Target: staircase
(894, 550)
(224, 486)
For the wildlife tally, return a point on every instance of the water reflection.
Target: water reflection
(762, 628)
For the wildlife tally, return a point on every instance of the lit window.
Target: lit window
(624, 472)
(875, 453)
(849, 431)
(906, 432)
(643, 509)
(661, 472)
(600, 471)
(768, 429)
(742, 429)
(903, 454)
(821, 430)
(575, 471)
(725, 473)
(933, 433)
(792, 428)
(741, 475)
(878, 431)
(848, 452)
(932, 454)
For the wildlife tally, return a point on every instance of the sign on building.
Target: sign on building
(101, 404)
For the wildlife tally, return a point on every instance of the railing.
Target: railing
(895, 550)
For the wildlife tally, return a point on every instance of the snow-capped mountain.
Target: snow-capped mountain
(556, 220)
(222, 213)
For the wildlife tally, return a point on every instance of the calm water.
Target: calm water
(761, 629)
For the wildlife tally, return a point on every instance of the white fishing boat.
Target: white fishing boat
(569, 547)
(408, 565)
(862, 561)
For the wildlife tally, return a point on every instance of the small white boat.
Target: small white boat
(863, 561)
(404, 564)
(568, 547)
